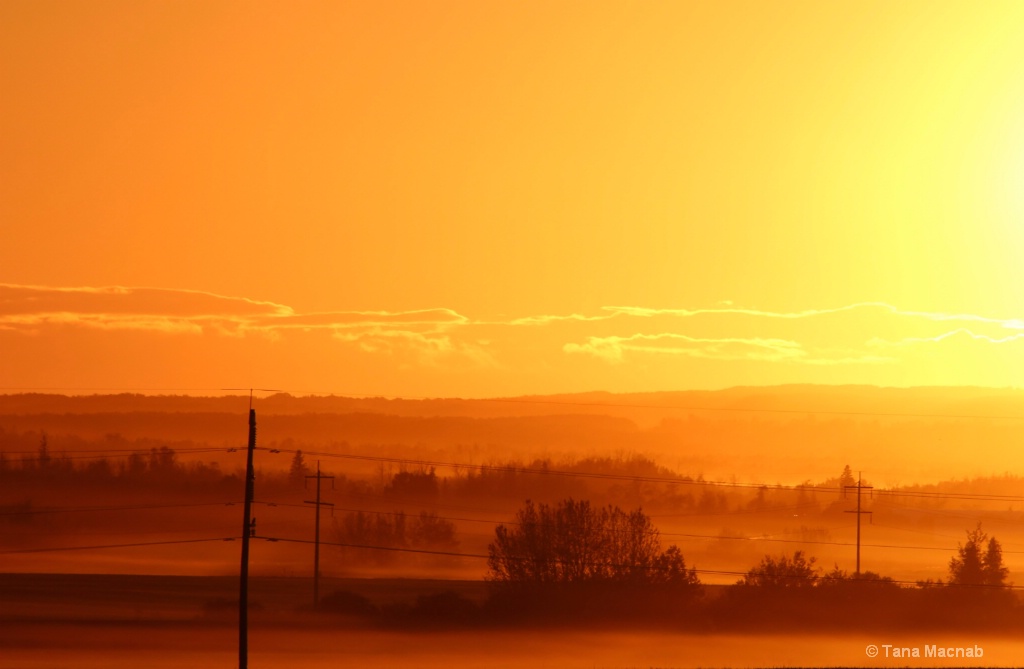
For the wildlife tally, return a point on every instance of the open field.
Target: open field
(113, 621)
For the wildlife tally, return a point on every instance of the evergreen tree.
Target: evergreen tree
(995, 572)
(298, 471)
(44, 453)
(979, 561)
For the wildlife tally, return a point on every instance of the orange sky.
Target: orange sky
(485, 198)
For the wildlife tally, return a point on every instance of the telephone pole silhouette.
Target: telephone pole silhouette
(248, 529)
(860, 487)
(316, 550)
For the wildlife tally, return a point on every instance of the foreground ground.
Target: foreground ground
(93, 621)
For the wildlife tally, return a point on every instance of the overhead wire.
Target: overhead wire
(488, 556)
(671, 480)
(8, 511)
(685, 535)
(543, 471)
(52, 549)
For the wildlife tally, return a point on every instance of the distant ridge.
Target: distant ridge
(794, 398)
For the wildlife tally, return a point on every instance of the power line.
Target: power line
(110, 389)
(512, 469)
(672, 480)
(90, 509)
(485, 557)
(922, 494)
(387, 548)
(439, 552)
(102, 546)
(953, 514)
(711, 537)
(677, 480)
(643, 478)
(115, 453)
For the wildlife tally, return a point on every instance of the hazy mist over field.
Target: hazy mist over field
(122, 485)
(524, 334)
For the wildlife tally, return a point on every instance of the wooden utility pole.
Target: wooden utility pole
(316, 541)
(860, 487)
(248, 529)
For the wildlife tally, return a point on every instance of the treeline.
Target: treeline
(836, 605)
(626, 480)
(155, 466)
(152, 465)
(576, 564)
(746, 429)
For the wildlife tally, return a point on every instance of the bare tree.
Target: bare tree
(573, 542)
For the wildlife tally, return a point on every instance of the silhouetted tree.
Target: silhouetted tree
(783, 572)
(846, 478)
(428, 530)
(394, 530)
(979, 561)
(44, 459)
(759, 502)
(995, 571)
(712, 501)
(840, 576)
(574, 542)
(162, 461)
(670, 569)
(967, 567)
(136, 464)
(414, 484)
(99, 470)
(299, 470)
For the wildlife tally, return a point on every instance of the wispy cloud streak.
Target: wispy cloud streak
(865, 333)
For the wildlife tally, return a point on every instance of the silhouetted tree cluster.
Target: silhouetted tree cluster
(978, 562)
(786, 588)
(512, 481)
(142, 467)
(782, 572)
(393, 530)
(421, 484)
(575, 542)
(573, 562)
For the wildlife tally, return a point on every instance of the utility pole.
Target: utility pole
(316, 549)
(860, 487)
(248, 529)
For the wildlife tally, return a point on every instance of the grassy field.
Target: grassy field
(96, 621)
(95, 598)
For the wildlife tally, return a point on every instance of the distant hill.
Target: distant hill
(644, 408)
(789, 433)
